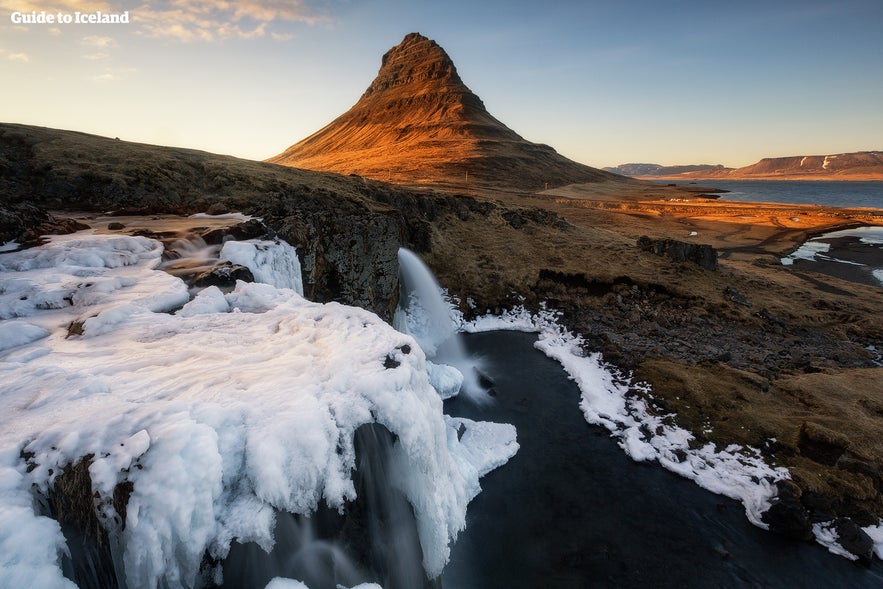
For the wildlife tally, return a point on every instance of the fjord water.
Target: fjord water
(572, 510)
(828, 193)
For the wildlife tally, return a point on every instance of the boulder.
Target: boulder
(854, 540)
(224, 275)
(787, 516)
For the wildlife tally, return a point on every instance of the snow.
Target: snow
(876, 534)
(446, 380)
(9, 246)
(807, 251)
(803, 159)
(827, 536)
(281, 583)
(235, 216)
(607, 400)
(878, 274)
(17, 333)
(485, 446)
(218, 410)
(271, 262)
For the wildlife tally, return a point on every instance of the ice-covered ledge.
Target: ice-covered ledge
(217, 410)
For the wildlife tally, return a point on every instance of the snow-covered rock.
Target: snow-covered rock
(233, 407)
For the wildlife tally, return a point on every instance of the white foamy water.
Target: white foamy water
(428, 316)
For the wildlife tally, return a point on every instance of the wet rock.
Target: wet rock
(115, 226)
(854, 540)
(251, 229)
(787, 515)
(217, 208)
(224, 275)
(680, 251)
(350, 257)
(390, 362)
(25, 222)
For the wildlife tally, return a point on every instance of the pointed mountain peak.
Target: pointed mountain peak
(418, 123)
(416, 59)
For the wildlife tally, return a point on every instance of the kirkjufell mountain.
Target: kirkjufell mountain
(418, 123)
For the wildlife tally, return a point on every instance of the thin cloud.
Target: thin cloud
(113, 74)
(21, 57)
(53, 6)
(212, 20)
(99, 42)
(54, 31)
(96, 56)
(192, 21)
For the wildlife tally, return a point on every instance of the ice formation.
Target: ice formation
(218, 410)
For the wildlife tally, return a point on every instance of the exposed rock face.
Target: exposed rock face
(419, 123)
(25, 222)
(681, 251)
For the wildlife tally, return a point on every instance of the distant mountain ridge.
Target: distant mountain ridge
(653, 170)
(418, 123)
(861, 165)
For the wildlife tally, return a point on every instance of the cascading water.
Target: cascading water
(374, 539)
(425, 314)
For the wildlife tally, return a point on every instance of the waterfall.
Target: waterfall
(373, 539)
(425, 314)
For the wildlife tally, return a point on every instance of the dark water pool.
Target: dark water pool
(572, 510)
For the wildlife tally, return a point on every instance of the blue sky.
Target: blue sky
(603, 82)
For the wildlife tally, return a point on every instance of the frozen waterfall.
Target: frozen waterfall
(425, 314)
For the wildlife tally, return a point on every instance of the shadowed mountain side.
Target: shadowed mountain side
(418, 123)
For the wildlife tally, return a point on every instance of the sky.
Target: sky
(605, 82)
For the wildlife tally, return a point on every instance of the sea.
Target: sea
(828, 193)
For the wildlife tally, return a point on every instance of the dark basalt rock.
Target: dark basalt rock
(251, 229)
(787, 516)
(224, 275)
(854, 540)
(25, 222)
(680, 251)
(350, 257)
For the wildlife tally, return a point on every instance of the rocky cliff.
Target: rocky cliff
(418, 123)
